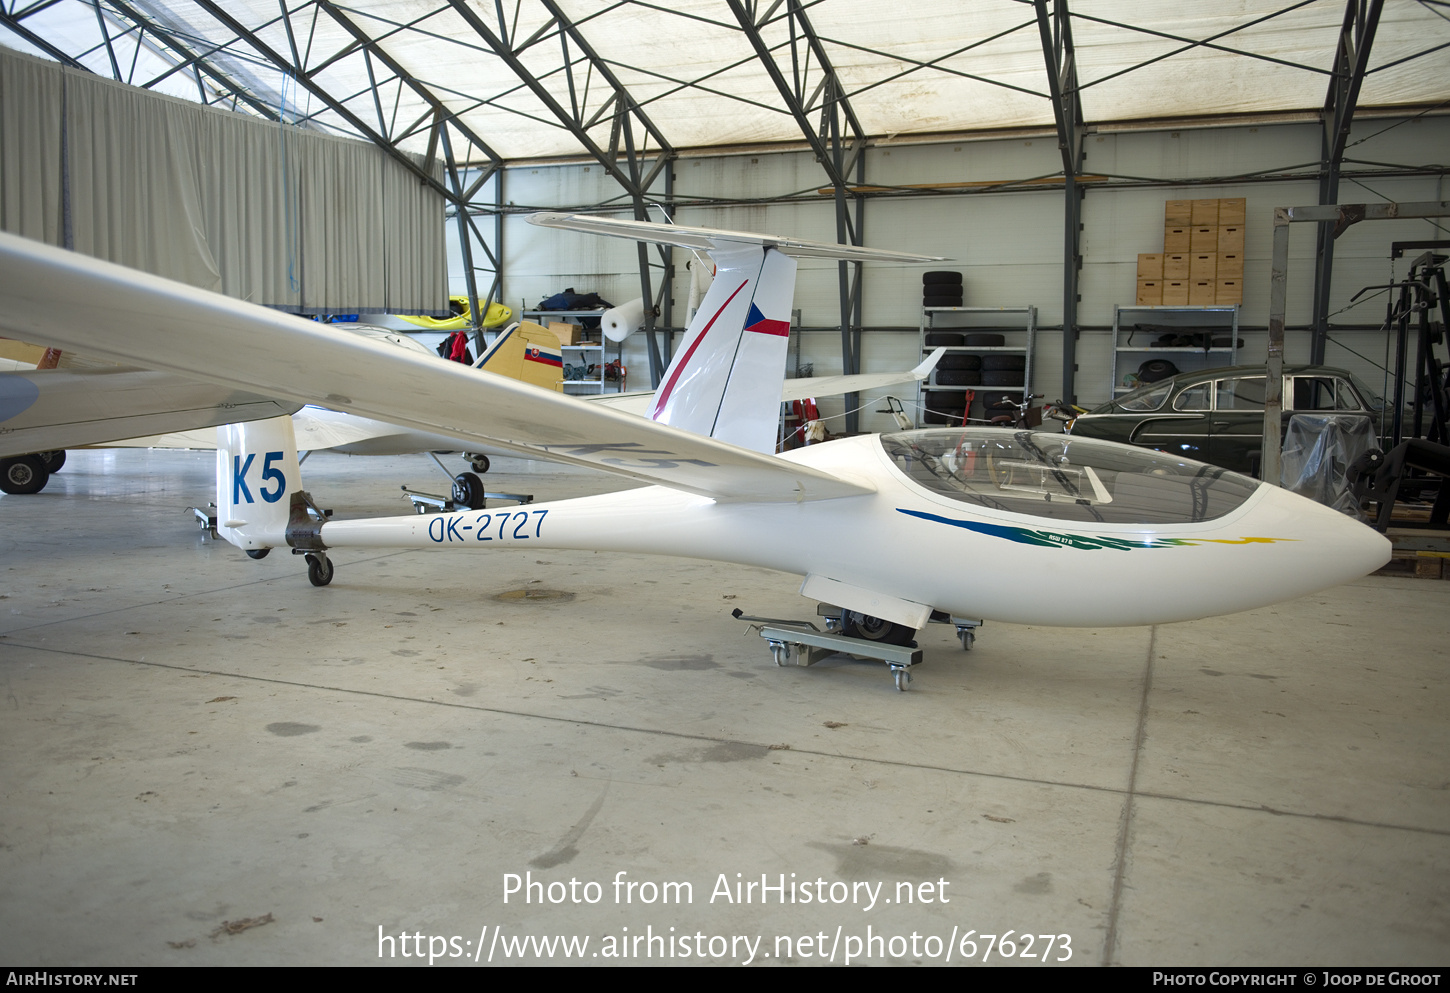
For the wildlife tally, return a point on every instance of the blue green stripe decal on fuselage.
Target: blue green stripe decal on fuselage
(1053, 539)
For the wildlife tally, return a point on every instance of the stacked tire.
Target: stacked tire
(941, 289)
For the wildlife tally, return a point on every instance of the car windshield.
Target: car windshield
(1063, 477)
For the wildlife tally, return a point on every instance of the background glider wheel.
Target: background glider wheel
(870, 628)
(23, 474)
(53, 460)
(257, 553)
(319, 570)
(468, 491)
(480, 463)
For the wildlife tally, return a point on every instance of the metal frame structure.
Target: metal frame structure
(563, 81)
(1351, 62)
(1341, 216)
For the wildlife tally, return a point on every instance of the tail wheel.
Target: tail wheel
(319, 570)
(468, 491)
(480, 463)
(870, 628)
(23, 474)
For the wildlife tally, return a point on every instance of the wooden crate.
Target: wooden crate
(1228, 291)
(1233, 211)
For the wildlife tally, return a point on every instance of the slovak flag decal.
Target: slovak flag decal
(536, 354)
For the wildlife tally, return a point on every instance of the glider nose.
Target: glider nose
(1333, 547)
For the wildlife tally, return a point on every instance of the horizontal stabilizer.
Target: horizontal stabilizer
(827, 386)
(708, 239)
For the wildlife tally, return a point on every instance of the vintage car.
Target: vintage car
(1217, 415)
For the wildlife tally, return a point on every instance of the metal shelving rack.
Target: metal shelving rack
(997, 318)
(1213, 317)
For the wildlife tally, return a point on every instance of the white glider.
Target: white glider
(891, 527)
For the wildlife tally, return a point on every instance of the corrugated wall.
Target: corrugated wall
(1009, 246)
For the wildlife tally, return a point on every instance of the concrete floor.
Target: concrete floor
(194, 741)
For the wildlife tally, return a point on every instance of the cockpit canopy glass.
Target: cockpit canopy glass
(1067, 478)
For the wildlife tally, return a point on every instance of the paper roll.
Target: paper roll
(622, 321)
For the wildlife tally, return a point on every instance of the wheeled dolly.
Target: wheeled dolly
(433, 503)
(802, 643)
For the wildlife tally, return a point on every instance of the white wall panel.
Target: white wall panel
(1009, 246)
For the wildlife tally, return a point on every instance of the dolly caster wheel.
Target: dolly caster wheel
(903, 679)
(968, 636)
(781, 653)
(319, 570)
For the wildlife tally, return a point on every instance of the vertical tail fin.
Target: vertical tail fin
(257, 482)
(725, 381)
(529, 352)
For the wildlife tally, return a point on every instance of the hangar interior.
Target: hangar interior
(210, 762)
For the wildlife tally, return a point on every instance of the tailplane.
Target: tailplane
(725, 382)
(528, 352)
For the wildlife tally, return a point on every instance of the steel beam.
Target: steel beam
(625, 110)
(1055, 28)
(1356, 37)
(303, 77)
(827, 138)
(189, 58)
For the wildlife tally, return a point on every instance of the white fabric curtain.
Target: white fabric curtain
(260, 211)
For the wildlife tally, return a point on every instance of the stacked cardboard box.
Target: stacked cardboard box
(1202, 262)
